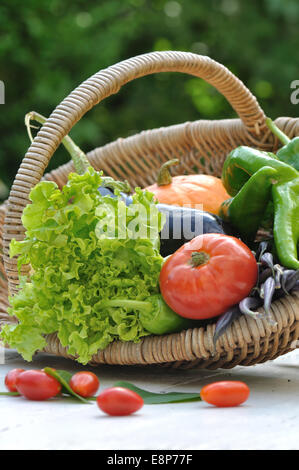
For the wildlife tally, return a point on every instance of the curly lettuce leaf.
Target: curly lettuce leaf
(76, 263)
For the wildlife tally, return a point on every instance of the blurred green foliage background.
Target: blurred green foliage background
(47, 48)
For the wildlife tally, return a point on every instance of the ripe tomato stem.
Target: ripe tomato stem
(198, 258)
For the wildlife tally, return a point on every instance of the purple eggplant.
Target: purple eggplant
(182, 224)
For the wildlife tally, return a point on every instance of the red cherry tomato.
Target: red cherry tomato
(84, 383)
(225, 393)
(37, 385)
(10, 379)
(119, 401)
(207, 275)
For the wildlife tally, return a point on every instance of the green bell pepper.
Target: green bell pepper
(154, 314)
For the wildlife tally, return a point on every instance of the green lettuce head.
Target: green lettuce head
(83, 248)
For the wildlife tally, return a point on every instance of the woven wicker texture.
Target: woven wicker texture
(201, 147)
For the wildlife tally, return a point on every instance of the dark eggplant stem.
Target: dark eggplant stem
(264, 274)
(278, 275)
(291, 280)
(224, 321)
(263, 246)
(267, 260)
(284, 278)
(248, 305)
(268, 291)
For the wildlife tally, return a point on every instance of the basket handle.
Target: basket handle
(91, 92)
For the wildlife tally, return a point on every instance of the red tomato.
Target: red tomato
(119, 401)
(84, 383)
(37, 385)
(207, 275)
(10, 379)
(225, 393)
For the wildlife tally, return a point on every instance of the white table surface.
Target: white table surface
(268, 420)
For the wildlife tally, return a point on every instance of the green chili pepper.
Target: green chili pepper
(289, 153)
(286, 222)
(248, 175)
(154, 314)
(261, 185)
(247, 209)
(243, 162)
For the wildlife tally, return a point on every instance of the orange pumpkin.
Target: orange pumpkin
(189, 190)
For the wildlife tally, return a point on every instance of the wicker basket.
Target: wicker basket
(136, 159)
